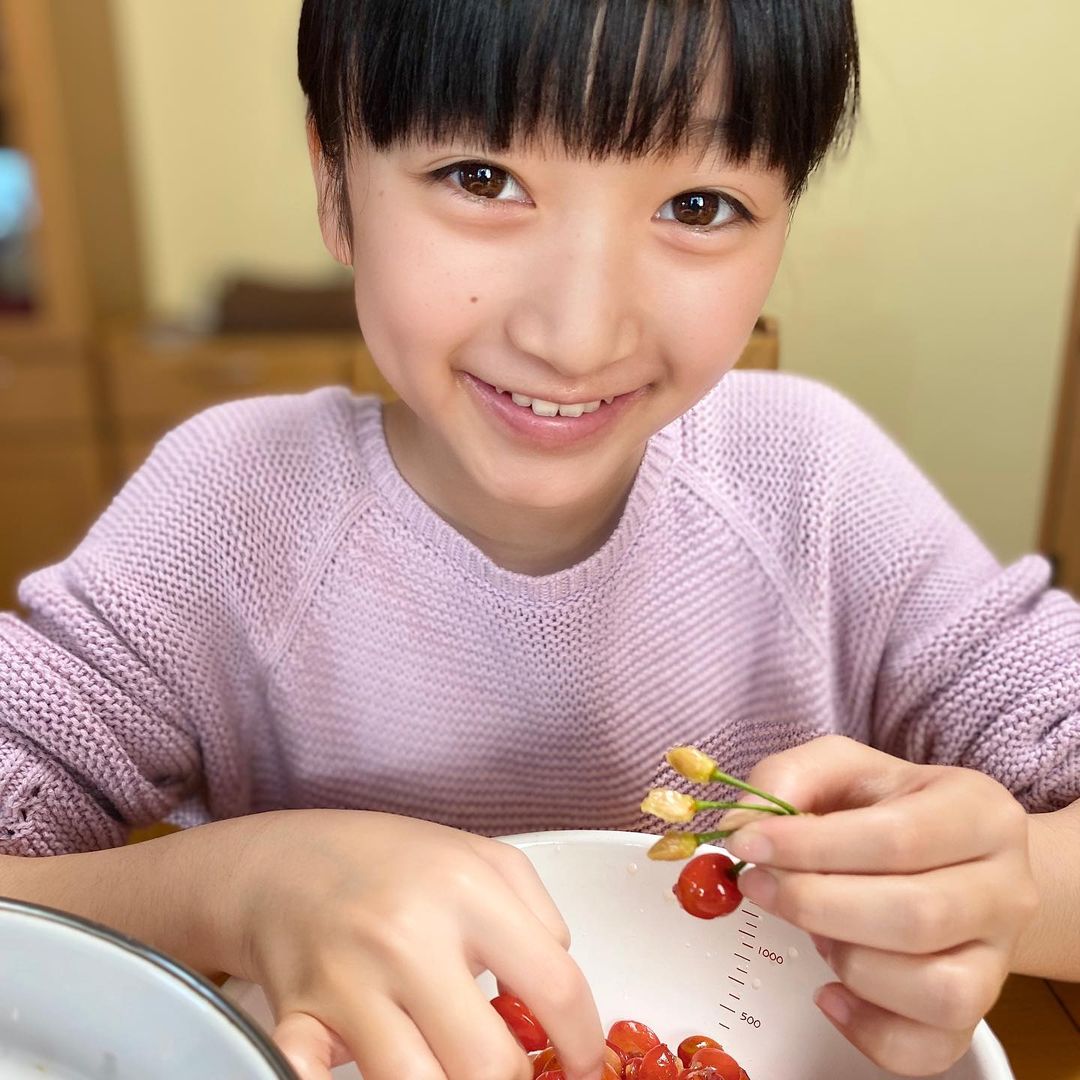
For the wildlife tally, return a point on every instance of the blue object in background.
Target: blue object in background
(18, 202)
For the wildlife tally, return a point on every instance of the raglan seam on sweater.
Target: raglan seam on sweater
(307, 586)
(759, 548)
(930, 544)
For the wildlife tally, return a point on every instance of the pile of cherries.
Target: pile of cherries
(633, 1051)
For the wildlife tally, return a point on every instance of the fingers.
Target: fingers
(536, 968)
(830, 773)
(377, 1033)
(310, 1047)
(517, 870)
(957, 816)
(550, 983)
(896, 1043)
(953, 989)
(910, 913)
(467, 1036)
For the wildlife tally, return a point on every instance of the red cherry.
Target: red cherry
(692, 1044)
(552, 1074)
(613, 1059)
(521, 1022)
(707, 888)
(631, 1037)
(544, 1061)
(700, 1072)
(632, 1068)
(659, 1063)
(727, 1068)
(620, 1054)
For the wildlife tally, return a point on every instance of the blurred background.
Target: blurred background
(159, 252)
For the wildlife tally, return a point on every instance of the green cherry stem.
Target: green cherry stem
(712, 837)
(719, 777)
(722, 834)
(706, 804)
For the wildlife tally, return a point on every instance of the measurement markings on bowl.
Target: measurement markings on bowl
(743, 955)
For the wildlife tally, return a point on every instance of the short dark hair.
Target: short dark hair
(605, 76)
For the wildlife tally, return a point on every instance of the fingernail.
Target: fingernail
(749, 844)
(759, 886)
(833, 1004)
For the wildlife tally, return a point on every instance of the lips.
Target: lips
(543, 422)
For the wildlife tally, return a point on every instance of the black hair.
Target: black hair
(623, 77)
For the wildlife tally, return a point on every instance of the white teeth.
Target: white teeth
(552, 408)
(608, 400)
(498, 389)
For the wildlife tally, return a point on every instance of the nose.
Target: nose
(577, 309)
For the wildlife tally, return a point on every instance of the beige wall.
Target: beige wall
(926, 275)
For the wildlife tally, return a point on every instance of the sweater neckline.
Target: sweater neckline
(439, 537)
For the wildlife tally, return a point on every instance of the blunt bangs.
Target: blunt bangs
(770, 80)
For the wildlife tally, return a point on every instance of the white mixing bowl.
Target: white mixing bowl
(746, 979)
(78, 1002)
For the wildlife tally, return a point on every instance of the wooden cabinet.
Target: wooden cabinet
(51, 467)
(156, 379)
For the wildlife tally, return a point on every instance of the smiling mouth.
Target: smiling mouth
(543, 407)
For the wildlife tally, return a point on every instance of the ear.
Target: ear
(330, 224)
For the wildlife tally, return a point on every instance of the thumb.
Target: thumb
(311, 1048)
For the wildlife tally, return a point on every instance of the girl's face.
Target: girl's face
(541, 315)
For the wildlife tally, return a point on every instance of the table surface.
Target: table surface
(1038, 1023)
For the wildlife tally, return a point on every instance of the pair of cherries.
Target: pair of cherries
(633, 1051)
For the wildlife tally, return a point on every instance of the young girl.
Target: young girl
(356, 642)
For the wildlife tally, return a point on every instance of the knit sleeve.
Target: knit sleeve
(134, 683)
(934, 652)
(965, 662)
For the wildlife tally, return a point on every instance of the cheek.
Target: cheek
(413, 310)
(710, 317)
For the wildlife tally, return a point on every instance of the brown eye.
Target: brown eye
(696, 208)
(483, 181)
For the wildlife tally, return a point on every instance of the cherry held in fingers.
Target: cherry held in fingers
(708, 886)
(520, 1020)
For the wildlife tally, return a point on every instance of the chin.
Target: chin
(557, 487)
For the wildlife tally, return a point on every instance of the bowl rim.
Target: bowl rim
(986, 1048)
(188, 979)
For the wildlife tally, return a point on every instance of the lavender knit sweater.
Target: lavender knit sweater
(268, 616)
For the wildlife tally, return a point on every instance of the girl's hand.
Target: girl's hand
(367, 931)
(916, 886)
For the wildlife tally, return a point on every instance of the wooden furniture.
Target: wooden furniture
(1038, 1024)
(1060, 538)
(59, 109)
